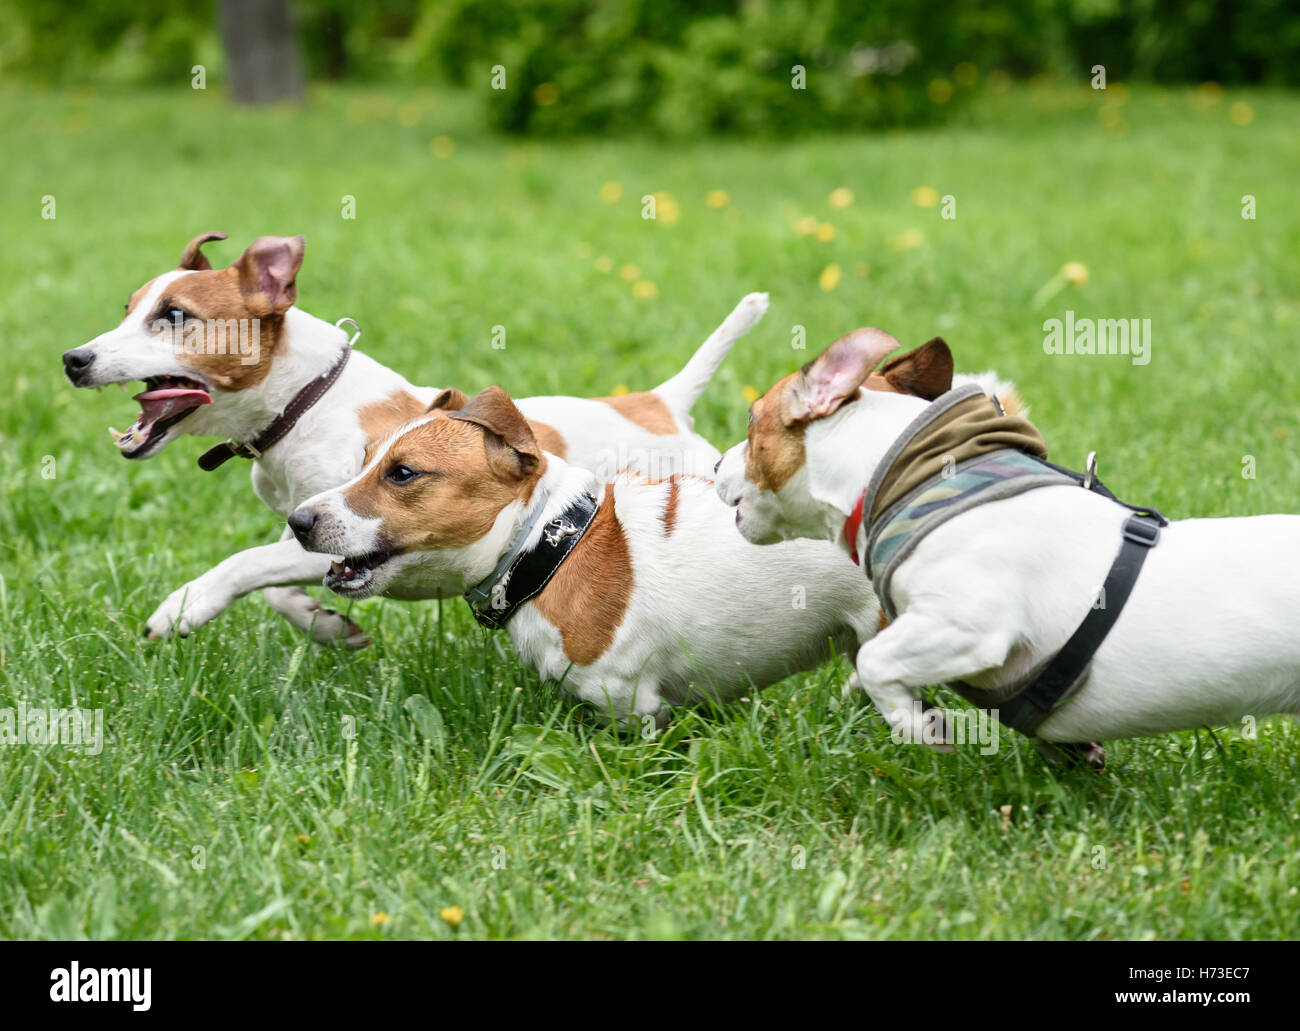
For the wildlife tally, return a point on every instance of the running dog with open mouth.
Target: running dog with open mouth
(227, 353)
(636, 594)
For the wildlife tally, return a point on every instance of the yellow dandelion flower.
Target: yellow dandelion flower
(630, 273)
(451, 915)
(303, 839)
(379, 919)
(717, 199)
(941, 91)
(667, 210)
(644, 290)
(907, 240)
(546, 94)
(830, 277)
(749, 393)
(806, 226)
(1075, 273)
(925, 197)
(443, 146)
(619, 390)
(611, 192)
(1241, 113)
(841, 197)
(825, 232)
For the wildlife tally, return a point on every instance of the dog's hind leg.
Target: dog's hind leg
(913, 652)
(306, 613)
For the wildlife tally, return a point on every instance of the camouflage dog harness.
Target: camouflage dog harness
(963, 450)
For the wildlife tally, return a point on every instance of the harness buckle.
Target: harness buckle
(1089, 470)
(1140, 530)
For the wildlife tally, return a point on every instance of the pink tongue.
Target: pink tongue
(158, 404)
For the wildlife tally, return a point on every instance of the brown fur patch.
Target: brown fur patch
(453, 503)
(216, 295)
(670, 506)
(775, 451)
(548, 437)
(588, 596)
(645, 409)
(379, 418)
(925, 371)
(882, 621)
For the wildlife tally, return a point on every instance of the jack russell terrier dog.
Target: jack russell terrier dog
(636, 594)
(1076, 617)
(227, 353)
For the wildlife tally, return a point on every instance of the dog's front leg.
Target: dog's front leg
(272, 565)
(306, 613)
(912, 653)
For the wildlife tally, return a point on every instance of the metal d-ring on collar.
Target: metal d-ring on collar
(287, 419)
(521, 575)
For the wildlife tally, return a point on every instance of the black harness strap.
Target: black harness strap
(1028, 708)
(533, 570)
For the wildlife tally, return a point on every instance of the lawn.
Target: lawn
(253, 785)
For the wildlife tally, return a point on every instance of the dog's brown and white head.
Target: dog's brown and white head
(768, 477)
(198, 337)
(444, 493)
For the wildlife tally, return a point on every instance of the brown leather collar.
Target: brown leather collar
(280, 425)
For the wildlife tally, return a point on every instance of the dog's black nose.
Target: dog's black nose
(77, 361)
(301, 520)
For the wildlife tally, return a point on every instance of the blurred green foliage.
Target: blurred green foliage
(684, 67)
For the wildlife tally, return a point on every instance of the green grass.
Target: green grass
(323, 788)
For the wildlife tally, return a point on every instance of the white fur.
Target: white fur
(1207, 636)
(326, 446)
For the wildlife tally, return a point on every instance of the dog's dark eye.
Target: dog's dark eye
(401, 474)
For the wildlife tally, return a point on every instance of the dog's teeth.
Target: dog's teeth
(117, 434)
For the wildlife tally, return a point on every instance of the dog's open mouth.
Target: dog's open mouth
(354, 575)
(166, 402)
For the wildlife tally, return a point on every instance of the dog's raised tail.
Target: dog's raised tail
(682, 391)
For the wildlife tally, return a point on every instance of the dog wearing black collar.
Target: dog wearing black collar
(636, 593)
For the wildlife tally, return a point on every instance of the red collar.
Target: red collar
(851, 527)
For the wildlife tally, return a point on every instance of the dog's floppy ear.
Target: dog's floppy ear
(925, 372)
(512, 449)
(193, 258)
(450, 400)
(835, 375)
(268, 273)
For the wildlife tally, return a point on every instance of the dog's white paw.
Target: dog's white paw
(330, 627)
(185, 610)
(916, 724)
(324, 625)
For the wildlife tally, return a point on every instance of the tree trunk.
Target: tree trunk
(261, 50)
